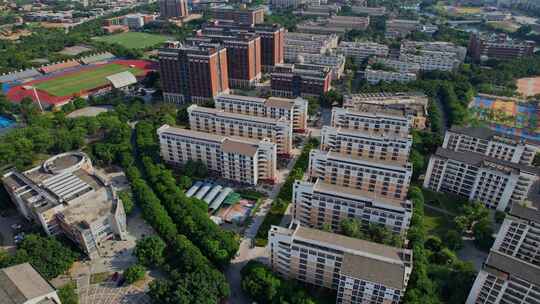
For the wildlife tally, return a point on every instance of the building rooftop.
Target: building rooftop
(499, 262)
(489, 134)
(477, 159)
(355, 194)
(387, 164)
(241, 145)
(277, 102)
(21, 283)
(235, 116)
(526, 213)
(351, 112)
(391, 274)
(369, 134)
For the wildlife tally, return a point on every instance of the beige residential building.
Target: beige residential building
(216, 121)
(389, 179)
(511, 273)
(65, 195)
(273, 107)
(360, 271)
(491, 143)
(412, 105)
(366, 144)
(244, 160)
(497, 183)
(317, 204)
(366, 121)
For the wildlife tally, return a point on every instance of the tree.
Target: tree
(453, 240)
(67, 294)
(483, 234)
(127, 201)
(499, 216)
(184, 182)
(195, 169)
(313, 106)
(150, 251)
(351, 227)
(134, 273)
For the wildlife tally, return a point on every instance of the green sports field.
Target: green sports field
(74, 83)
(133, 40)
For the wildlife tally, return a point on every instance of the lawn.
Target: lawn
(449, 202)
(74, 83)
(134, 40)
(437, 223)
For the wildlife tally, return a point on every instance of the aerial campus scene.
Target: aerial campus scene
(270, 151)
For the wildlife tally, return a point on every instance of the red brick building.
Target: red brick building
(241, 15)
(193, 73)
(290, 81)
(243, 56)
(272, 39)
(498, 47)
(173, 9)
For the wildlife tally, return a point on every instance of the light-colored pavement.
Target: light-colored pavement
(109, 293)
(89, 111)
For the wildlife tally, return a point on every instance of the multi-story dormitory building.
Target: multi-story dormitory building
(243, 56)
(376, 122)
(491, 143)
(388, 179)
(244, 160)
(318, 204)
(399, 104)
(367, 144)
(193, 73)
(210, 120)
(288, 80)
(360, 271)
(273, 107)
(497, 183)
(485, 165)
(362, 50)
(272, 38)
(301, 43)
(511, 273)
(375, 76)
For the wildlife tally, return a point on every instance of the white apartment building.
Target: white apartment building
(497, 183)
(215, 121)
(65, 195)
(367, 144)
(410, 46)
(336, 63)
(303, 43)
(398, 65)
(376, 76)
(317, 204)
(412, 105)
(283, 4)
(243, 160)
(387, 179)
(491, 143)
(511, 273)
(431, 61)
(375, 122)
(359, 51)
(360, 271)
(295, 110)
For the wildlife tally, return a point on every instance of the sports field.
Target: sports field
(134, 40)
(73, 83)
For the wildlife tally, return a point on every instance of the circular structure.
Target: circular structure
(66, 162)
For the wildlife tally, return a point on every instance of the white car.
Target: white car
(16, 226)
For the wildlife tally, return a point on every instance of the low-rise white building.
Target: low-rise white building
(303, 43)
(376, 76)
(22, 284)
(336, 63)
(359, 51)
